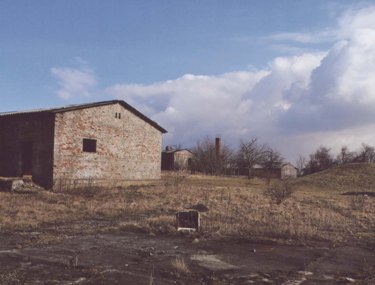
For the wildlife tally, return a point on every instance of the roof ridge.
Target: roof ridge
(87, 105)
(57, 108)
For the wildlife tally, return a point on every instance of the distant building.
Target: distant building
(176, 159)
(103, 141)
(286, 170)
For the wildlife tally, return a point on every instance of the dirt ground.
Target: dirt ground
(120, 257)
(324, 233)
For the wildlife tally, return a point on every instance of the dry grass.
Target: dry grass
(180, 266)
(237, 208)
(349, 177)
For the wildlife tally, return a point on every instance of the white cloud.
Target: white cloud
(356, 20)
(304, 38)
(341, 92)
(297, 103)
(191, 105)
(233, 105)
(290, 49)
(74, 82)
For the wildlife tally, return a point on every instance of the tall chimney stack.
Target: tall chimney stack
(218, 148)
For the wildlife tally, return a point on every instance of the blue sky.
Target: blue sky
(138, 41)
(232, 68)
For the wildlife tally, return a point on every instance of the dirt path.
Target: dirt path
(132, 258)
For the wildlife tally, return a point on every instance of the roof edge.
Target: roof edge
(85, 106)
(139, 114)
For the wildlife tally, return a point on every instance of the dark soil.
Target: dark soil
(137, 258)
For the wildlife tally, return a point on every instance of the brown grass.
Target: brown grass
(349, 177)
(237, 208)
(180, 266)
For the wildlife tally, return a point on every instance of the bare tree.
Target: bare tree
(319, 160)
(271, 159)
(345, 156)
(301, 164)
(205, 156)
(249, 154)
(366, 154)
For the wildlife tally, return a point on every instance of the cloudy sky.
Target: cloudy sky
(295, 74)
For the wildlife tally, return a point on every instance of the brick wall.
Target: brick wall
(288, 171)
(127, 148)
(182, 159)
(176, 160)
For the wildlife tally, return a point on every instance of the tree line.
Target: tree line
(253, 152)
(209, 160)
(323, 158)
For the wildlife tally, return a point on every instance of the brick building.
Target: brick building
(103, 141)
(285, 171)
(176, 159)
(288, 170)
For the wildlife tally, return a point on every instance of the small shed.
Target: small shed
(288, 170)
(176, 159)
(285, 171)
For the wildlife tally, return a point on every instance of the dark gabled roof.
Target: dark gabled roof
(85, 106)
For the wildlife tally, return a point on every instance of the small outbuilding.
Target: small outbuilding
(288, 170)
(176, 159)
(106, 141)
(285, 171)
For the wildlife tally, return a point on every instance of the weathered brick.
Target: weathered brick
(127, 148)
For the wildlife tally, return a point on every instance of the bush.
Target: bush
(358, 202)
(320, 160)
(280, 191)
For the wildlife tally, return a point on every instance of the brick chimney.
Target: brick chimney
(218, 148)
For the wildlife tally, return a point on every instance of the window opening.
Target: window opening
(89, 145)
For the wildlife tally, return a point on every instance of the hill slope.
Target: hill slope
(349, 177)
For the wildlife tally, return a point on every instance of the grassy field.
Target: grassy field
(238, 207)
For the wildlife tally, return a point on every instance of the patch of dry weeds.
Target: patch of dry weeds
(237, 207)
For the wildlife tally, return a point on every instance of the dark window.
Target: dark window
(89, 145)
(119, 115)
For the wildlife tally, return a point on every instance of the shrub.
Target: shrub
(279, 192)
(358, 202)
